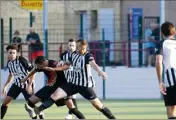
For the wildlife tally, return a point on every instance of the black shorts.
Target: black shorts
(45, 92)
(14, 92)
(61, 102)
(170, 98)
(71, 89)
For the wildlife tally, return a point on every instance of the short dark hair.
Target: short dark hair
(83, 42)
(13, 47)
(79, 40)
(72, 40)
(168, 29)
(40, 59)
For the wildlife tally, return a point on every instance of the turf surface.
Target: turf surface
(123, 109)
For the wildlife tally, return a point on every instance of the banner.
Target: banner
(32, 4)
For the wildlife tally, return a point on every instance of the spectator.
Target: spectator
(149, 45)
(17, 41)
(155, 37)
(35, 45)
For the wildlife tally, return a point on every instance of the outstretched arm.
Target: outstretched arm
(58, 68)
(97, 69)
(31, 74)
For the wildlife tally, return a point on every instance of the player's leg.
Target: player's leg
(73, 108)
(170, 102)
(12, 94)
(35, 100)
(4, 105)
(37, 97)
(89, 94)
(61, 92)
(171, 110)
(58, 94)
(69, 116)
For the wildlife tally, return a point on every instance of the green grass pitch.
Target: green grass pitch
(123, 109)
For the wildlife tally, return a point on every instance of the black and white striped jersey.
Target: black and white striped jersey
(167, 49)
(68, 73)
(82, 75)
(19, 68)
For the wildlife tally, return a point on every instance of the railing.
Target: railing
(116, 53)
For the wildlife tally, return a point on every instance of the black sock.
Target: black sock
(107, 113)
(78, 114)
(172, 118)
(41, 117)
(46, 104)
(32, 105)
(3, 111)
(75, 104)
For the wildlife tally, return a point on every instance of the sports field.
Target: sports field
(123, 109)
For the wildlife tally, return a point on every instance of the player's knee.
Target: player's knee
(7, 101)
(58, 94)
(69, 104)
(97, 104)
(170, 111)
(173, 111)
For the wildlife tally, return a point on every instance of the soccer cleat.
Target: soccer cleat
(76, 118)
(30, 111)
(37, 111)
(68, 117)
(34, 117)
(41, 115)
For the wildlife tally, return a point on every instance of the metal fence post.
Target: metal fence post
(140, 41)
(30, 19)
(10, 30)
(129, 41)
(104, 62)
(81, 26)
(2, 43)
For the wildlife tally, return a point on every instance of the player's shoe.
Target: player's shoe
(37, 111)
(30, 111)
(41, 115)
(68, 117)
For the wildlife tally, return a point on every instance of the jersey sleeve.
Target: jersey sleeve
(27, 65)
(89, 57)
(8, 67)
(158, 50)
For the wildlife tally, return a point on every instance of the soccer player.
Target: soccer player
(55, 79)
(165, 55)
(82, 81)
(19, 68)
(68, 73)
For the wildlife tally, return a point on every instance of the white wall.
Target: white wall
(122, 83)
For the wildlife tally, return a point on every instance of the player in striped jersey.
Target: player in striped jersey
(82, 81)
(64, 57)
(18, 68)
(55, 79)
(165, 55)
